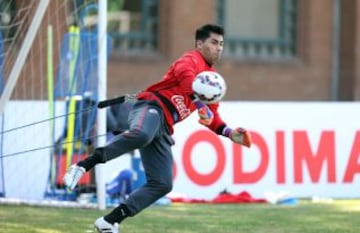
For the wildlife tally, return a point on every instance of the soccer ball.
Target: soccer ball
(209, 87)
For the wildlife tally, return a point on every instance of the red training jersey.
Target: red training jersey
(176, 88)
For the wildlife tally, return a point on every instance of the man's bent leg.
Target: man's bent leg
(144, 121)
(158, 163)
(144, 125)
(158, 168)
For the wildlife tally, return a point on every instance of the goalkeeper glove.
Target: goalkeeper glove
(206, 116)
(238, 135)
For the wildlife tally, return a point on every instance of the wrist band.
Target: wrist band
(199, 104)
(226, 131)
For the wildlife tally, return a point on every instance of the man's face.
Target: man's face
(211, 48)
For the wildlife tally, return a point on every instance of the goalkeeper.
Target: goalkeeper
(151, 121)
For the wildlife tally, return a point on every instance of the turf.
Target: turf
(305, 217)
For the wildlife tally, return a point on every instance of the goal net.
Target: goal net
(49, 89)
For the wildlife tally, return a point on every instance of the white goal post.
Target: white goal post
(102, 73)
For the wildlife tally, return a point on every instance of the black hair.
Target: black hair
(204, 31)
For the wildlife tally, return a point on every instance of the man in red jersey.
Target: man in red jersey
(151, 122)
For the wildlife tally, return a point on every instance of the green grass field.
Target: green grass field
(342, 216)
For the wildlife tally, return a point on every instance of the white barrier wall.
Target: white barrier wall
(308, 149)
(26, 147)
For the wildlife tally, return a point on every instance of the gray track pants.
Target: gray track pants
(148, 133)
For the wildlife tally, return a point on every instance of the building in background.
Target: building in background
(274, 49)
(298, 50)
